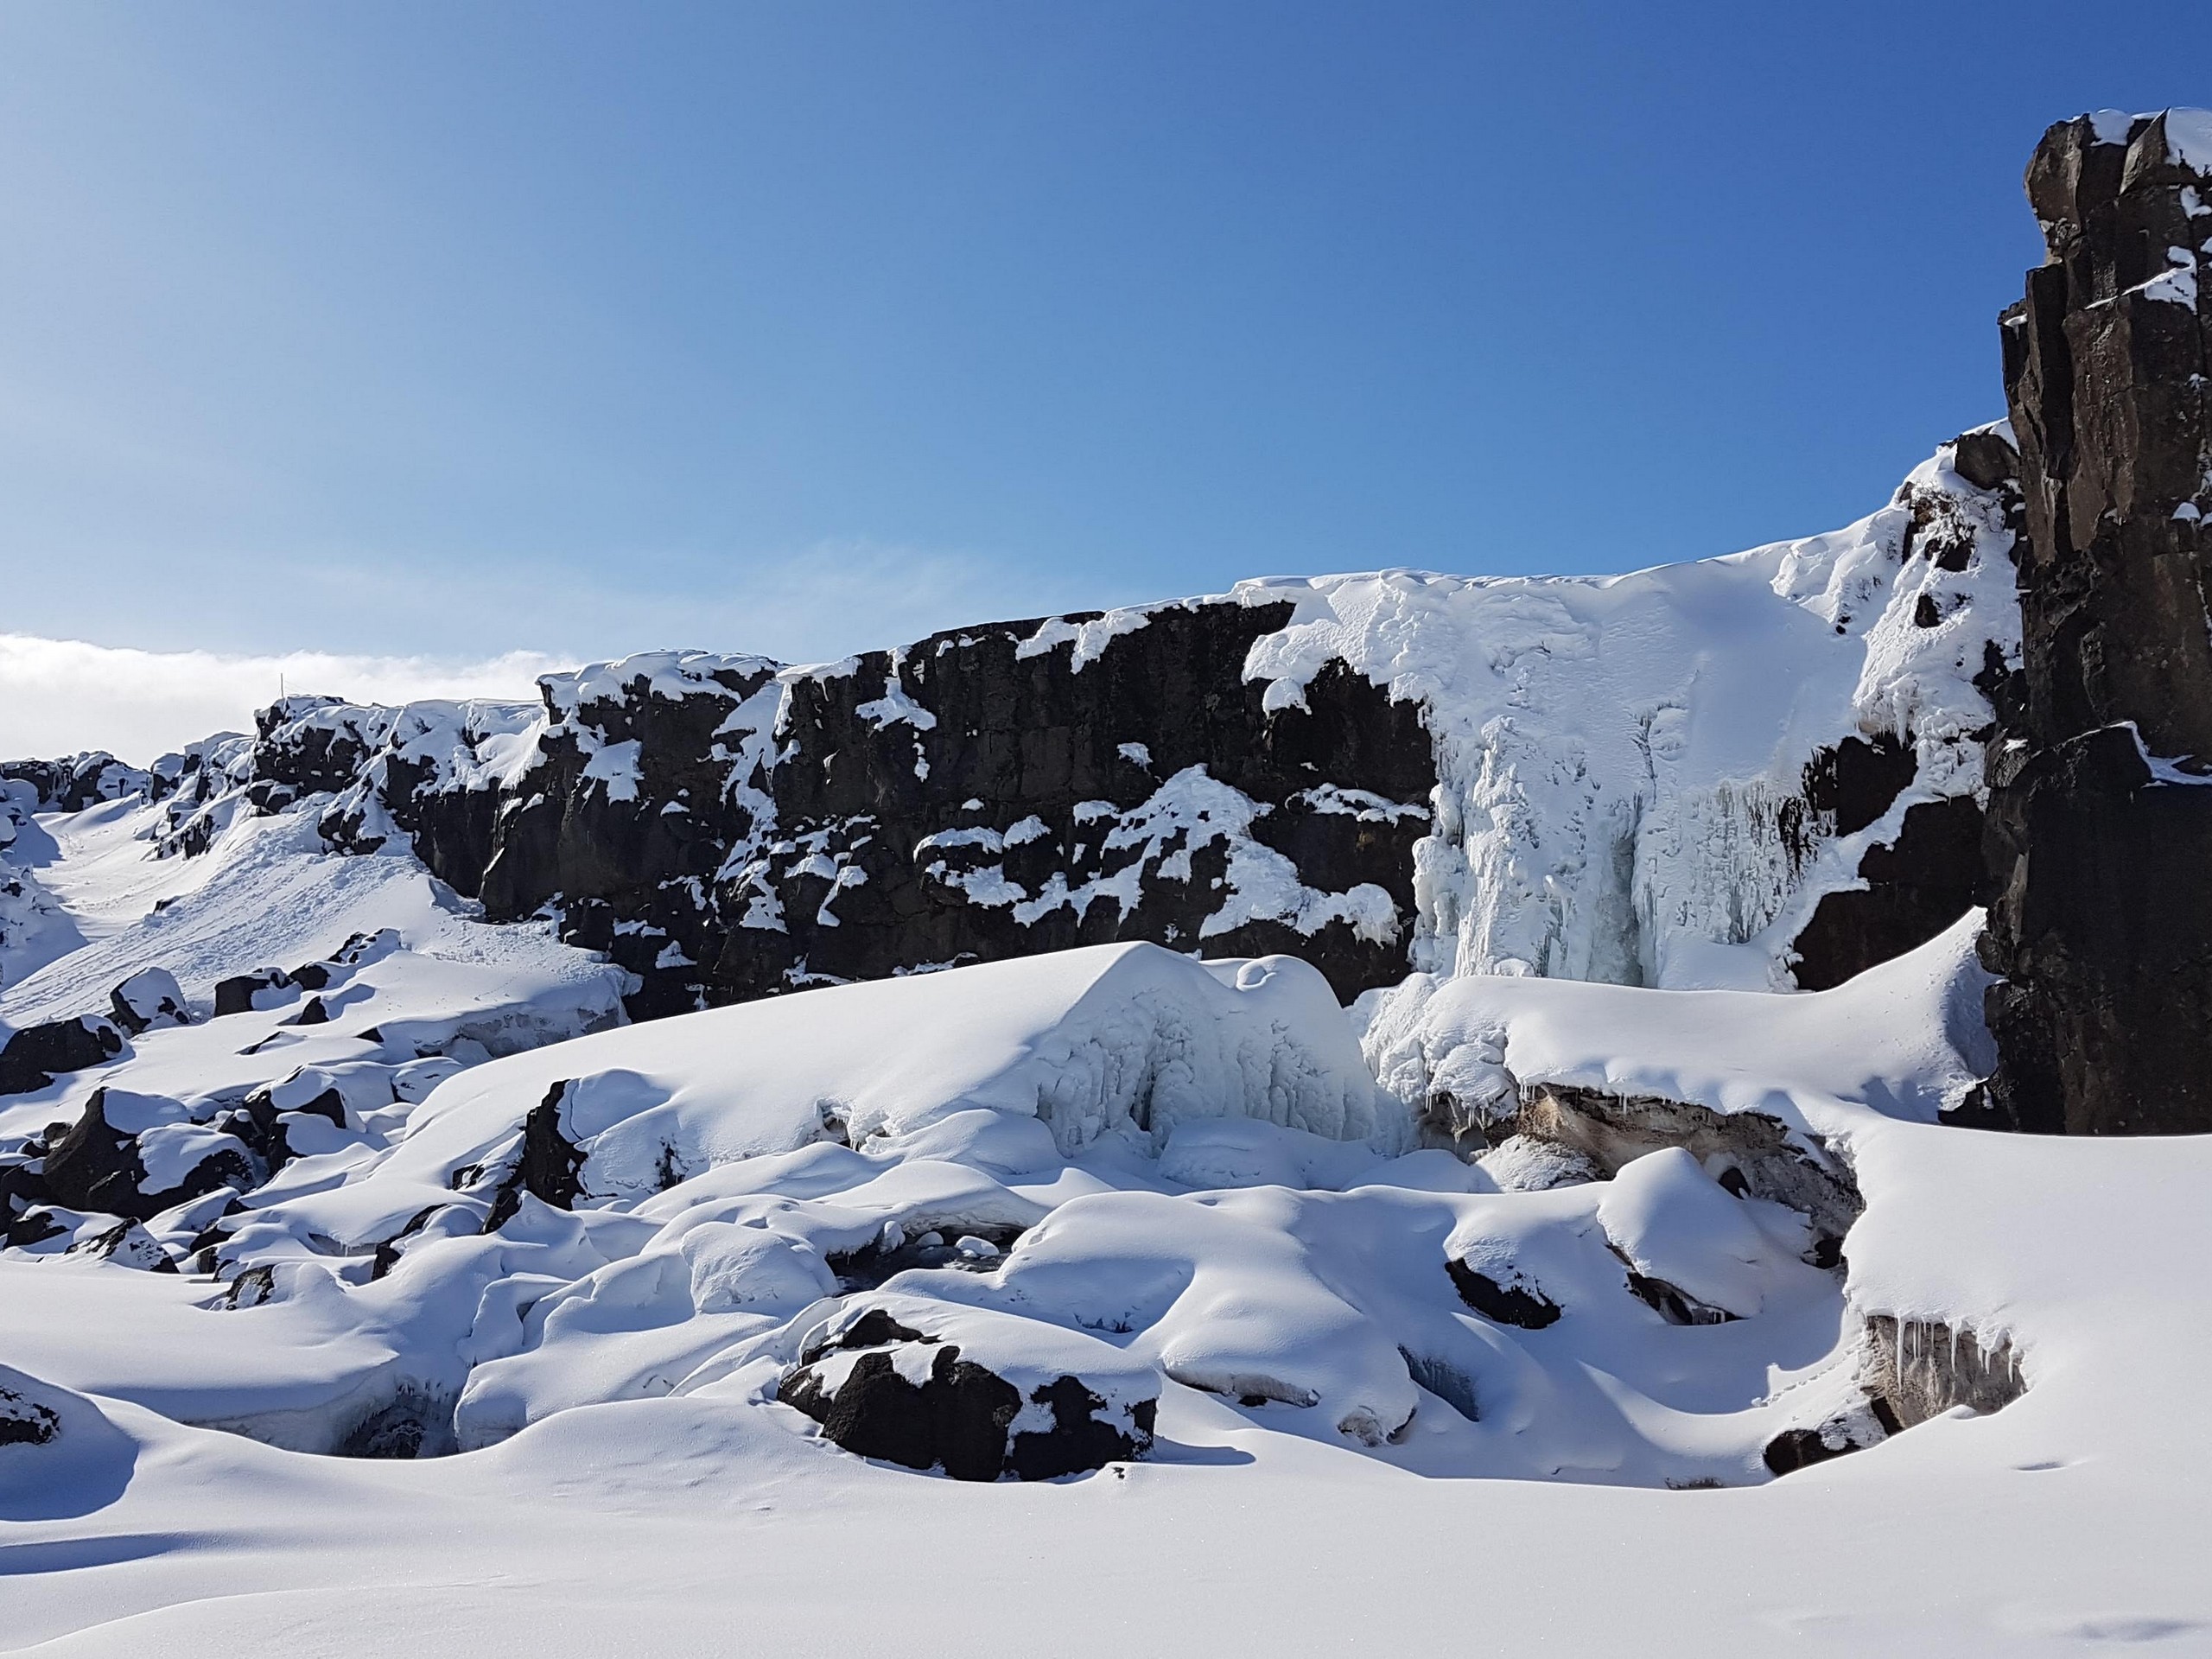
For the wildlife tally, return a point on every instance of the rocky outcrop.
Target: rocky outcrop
(960, 1416)
(1915, 879)
(2101, 812)
(1376, 773)
(1914, 1370)
(149, 999)
(77, 781)
(31, 1059)
(101, 1164)
(725, 829)
(548, 1166)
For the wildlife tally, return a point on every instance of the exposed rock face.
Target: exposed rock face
(1917, 880)
(725, 829)
(548, 1166)
(1914, 1370)
(1139, 797)
(1753, 1152)
(2100, 813)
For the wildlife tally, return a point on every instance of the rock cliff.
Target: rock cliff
(1757, 771)
(2101, 815)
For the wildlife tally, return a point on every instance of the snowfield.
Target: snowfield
(370, 1284)
(1175, 1181)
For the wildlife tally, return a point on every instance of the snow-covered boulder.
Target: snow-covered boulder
(137, 1155)
(60, 1456)
(149, 999)
(977, 1394)
(31, 1059)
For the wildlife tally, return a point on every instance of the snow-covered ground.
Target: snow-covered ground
(1178, 1181)
(415, 1302)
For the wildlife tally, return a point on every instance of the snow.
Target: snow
(616, 1366)
(1195, 1182)
(1089, 637)
(894, 705)
(1616, 754)
(2188, 139)
(615, 769)
(2110, 126)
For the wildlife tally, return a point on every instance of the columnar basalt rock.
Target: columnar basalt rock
(2100, 831)
(992, 792)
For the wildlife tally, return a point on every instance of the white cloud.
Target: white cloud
(59, 696)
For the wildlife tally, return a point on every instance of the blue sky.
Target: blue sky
(453, 329)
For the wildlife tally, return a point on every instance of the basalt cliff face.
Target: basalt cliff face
(2100, 810)
(1590, 778)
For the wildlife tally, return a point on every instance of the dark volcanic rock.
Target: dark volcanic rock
(1854, 1430)
(25, 1421)
(149, 998)
(125, 1242)
(96, 1166)
(2100, 834)
(1674, 1304)
(79, 781)
(1916, 887)
(243, 992)
(32, 1057)
(722, 827)
(1519, 1305)
(723, 834)
(550, 1166)
(1152, 763)
(960, 1417)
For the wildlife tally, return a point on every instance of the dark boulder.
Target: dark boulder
(25, 1421)
(1865, 1424)
(1674, 1304)
(35, 1056)
(961, 1416)
(32, 1226)
(23, 1181)
(548, 1166)
(125, 1242)
(262, 1124)
(149, 998)
(243, 992)
(1518, 1304)
(96, 1166)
